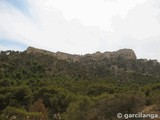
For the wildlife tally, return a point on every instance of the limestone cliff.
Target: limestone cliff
(123, 53)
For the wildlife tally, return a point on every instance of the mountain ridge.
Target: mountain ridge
(123, 53)
(88, 66)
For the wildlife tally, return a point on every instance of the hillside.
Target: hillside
(97, 65)
(76, 87)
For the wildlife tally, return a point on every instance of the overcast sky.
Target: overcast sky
(81, 26)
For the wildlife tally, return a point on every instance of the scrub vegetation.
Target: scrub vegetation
(39, 86)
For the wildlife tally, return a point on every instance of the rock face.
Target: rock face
(126, 53)
(123, 53)
(36, 50)
(59, 55)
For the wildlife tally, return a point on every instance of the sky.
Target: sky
(81, 26)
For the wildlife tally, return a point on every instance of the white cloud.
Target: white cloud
(51, 31)
(94, 12)
(83, 26)
(140, 23)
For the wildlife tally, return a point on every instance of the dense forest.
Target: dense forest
(35, 86)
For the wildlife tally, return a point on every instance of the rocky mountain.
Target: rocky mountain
(123, 53)
(122, 64)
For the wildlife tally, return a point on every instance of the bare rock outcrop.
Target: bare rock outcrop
(126, 53)
(123, 53)
(59, 55)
